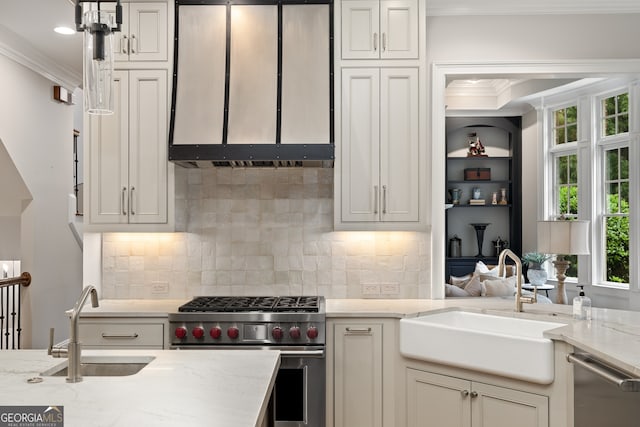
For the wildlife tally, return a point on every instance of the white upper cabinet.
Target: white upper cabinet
(128, 152)
(380, 145)
(143, 36)
(379, 29)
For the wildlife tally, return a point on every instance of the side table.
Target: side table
(546, 288)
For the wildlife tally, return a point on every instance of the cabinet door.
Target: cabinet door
(499, 407)
(143, 34)
(148, 147)
(436, 400)
(399, 144)
(109, 164)
(360, 149)
(358, 375)
(399, 29)
(148, 31)
(360, 29)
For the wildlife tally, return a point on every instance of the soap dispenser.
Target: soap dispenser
(582, 306)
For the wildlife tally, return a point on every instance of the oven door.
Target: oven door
(298, 398)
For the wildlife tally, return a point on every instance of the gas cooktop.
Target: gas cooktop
(288, 304)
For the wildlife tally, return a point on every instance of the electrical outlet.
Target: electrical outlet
(390, 289)
(370, 290)
(160, 288)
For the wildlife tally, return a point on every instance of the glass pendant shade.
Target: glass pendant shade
(98, 60)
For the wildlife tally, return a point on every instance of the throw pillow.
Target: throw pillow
(454, 291)
(474, 287)
(482, 268)
(460, 281)
(499, 287)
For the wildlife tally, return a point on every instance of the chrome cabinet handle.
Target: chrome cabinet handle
(384, 199)
(120, 336)
(384, 42)
(474, 394)
(131, 201)
(375, 199)
(133, 40)
(124, 44)
(351, 330)
(464, 393)
(375, 42)
(124, 200)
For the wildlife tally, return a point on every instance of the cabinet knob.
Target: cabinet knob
(474, 394)
(464, 393)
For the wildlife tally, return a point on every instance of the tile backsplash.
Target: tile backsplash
(261, 232)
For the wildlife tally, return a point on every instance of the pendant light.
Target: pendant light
(98, 26)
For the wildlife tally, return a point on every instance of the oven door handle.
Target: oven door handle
(302, 353)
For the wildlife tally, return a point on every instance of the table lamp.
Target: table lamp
(563, 238)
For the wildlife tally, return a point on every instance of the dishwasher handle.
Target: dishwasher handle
(621, 380)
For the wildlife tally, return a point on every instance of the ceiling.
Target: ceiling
(27, 36)
(26, 29)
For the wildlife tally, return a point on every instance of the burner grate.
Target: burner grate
(247, 304)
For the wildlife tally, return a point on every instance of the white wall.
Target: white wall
(38, 135)
(9, 237)
(494, 38)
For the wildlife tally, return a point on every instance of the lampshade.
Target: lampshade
(563, 237)
(98, 57)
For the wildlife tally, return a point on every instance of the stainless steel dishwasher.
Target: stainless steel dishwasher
(603, 396)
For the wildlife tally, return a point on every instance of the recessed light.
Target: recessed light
(64, 30)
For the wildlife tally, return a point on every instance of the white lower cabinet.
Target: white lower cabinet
(435, 400)
(360, 365)
(123, 333)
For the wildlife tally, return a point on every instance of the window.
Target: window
(565, 166)
(565, 127)
(616, 217)
(589, 165)
(615, 115)
(615, 182)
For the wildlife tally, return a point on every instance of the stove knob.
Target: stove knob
(198, 332)
(277, 333)
(312, 332)
(181, 332)
(215, 332)
(233, 332)
(294, 332)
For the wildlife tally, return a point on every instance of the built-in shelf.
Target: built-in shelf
(501, 137)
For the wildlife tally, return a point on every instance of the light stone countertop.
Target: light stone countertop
(220, 388)
(612, 335)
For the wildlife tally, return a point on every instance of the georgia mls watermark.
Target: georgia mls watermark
(31, 416)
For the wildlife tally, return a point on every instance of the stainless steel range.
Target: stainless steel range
(294, 325)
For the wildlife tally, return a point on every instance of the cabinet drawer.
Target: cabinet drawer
(129, 335)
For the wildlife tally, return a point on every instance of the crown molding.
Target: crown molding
(532, 7)
(19, 50)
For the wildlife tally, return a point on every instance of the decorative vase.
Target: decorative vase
(537, 276)
(480, 227)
